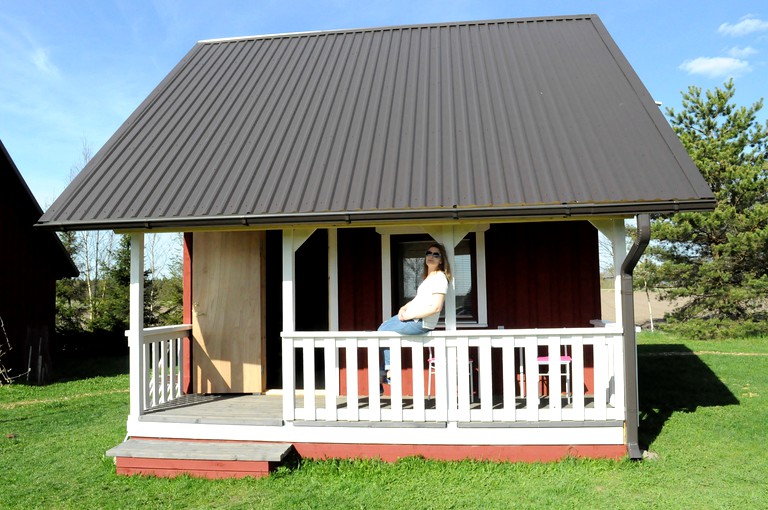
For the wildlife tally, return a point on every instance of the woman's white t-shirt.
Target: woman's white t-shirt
(435, 283)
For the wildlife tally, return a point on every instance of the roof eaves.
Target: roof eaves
(381, 216)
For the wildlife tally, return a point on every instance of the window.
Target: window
(407, 253)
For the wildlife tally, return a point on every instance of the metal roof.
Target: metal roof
(481, 119)
(16, 227)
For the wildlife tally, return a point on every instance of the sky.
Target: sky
(72, 71)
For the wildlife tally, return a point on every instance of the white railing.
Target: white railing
(160, 361)
(519, 396)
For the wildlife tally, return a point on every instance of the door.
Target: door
(228, 313)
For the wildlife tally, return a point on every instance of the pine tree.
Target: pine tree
(717, 262)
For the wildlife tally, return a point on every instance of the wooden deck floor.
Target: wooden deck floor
(263, 410)
(260, 410)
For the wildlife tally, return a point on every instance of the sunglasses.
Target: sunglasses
(435, 254)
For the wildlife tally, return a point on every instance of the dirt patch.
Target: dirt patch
(644, 308)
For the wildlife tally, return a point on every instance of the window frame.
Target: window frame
(477, 250)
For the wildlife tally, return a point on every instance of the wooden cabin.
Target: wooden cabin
(30, 263)
(309, 171)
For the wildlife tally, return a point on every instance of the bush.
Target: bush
(715, 328)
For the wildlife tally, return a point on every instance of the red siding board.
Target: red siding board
(517, 453)
(168, 468)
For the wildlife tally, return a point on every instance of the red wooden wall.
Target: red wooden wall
(542, 275)
(30, 263)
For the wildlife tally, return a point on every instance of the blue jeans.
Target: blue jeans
(412, 327)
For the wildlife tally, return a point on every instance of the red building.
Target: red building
(30, 263)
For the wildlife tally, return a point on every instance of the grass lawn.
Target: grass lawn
(703, 416)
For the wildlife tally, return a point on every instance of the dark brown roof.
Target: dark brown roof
(19, 211)
(505, 118)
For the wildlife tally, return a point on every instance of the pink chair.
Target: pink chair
(565, 369)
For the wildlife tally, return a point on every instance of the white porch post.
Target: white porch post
(333, 279)
(449, 241)
(616, 232)
(292, 240)
(618, 240)
(289, 322)
(386, 276)
(136, 319)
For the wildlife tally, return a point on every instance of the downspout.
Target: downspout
(630, 340)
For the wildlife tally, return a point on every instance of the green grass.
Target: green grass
(703, 416)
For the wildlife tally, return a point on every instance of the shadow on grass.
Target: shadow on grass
(74, 367)
(673, 379)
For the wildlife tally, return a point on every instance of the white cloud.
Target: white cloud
(737, 52)
(747, 25)
(43, 63)
(714, 67)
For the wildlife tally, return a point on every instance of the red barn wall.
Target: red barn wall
(28, 270)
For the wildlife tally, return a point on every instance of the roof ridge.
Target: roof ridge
(564, 17)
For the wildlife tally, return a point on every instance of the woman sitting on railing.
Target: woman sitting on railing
(420, 315)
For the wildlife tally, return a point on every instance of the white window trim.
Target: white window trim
(440, 234)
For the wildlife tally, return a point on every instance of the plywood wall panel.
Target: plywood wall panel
(228, 313)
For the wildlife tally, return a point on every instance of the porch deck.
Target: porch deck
(323, 419)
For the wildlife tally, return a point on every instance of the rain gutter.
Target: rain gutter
(630, 339)
(532, 212)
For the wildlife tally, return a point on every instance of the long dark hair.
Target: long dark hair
(444, 265)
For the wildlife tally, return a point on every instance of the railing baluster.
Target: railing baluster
(577, 378)
(374, 397)
(172, 369)
(177, 369)
(554, 379)
(353, 404)
(616, 346)
(508, 363)
(601, 380)
(146, 382)
(396, 376)
(441, 379)
(417, 355)
(532, 378)
(308, 356)
(331, 379)
(164, 393)
(485, 382)
(289, 379)
(154, 355)
(463, 375)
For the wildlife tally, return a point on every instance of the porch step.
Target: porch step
(198, 458)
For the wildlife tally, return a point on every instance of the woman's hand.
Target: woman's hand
(424, 310)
